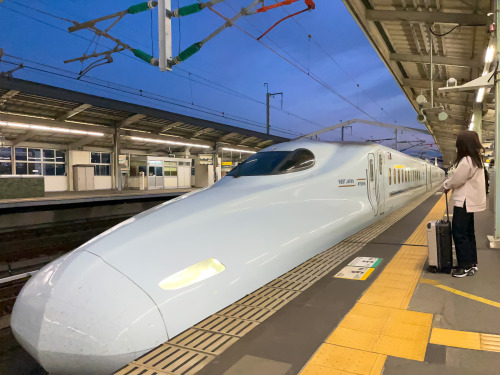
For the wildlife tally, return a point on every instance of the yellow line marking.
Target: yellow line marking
(379, 324)
(460, 293)
(368, 273)
(465, 340)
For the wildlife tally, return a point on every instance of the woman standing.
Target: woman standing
(469, 196)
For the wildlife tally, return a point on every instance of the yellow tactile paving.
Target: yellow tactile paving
(490, 343)
(379, 324)
(466, 340)
(334, 359)
(457, 339)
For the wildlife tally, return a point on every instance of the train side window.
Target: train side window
(394, 176)
(380, 162)
(399, 176)
(390, 176)
(371, 170)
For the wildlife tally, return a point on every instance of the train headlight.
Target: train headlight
(193, 274)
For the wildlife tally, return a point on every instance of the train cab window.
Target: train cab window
(300, 159)
(274, 162)
(390, 176)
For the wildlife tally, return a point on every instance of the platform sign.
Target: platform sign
(365, 262)
(164, 34)
(354, 273)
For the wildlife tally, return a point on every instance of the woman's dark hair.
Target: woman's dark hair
(468, 144)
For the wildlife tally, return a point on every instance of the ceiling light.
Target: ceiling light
(480, 95)
(236, 150)
(489, 54)
(48, 128)
(153, 140)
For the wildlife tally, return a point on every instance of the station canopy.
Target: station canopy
(401, 32)
(48, 114)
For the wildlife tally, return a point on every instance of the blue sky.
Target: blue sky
(224, 81)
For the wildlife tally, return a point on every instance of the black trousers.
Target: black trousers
(464, 237)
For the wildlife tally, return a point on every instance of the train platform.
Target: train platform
(75, 197)
(397, 319)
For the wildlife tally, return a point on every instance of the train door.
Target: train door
(372, 182)
(380, 181)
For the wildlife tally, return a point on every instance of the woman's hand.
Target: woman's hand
(444, 190)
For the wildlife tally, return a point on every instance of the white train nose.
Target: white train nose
(79, 315)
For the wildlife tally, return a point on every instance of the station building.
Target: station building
(56, 140)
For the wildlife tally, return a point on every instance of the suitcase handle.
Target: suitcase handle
(447, 214)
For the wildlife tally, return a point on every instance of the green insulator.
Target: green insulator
(145, 56)
(189, 9)
(141, 7)
(190, 51)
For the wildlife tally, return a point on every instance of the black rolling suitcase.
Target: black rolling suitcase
(439, 244)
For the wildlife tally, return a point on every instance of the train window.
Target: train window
(371, 170)
(274, 162)
(301, 159)
(390, 176)
(394, 176)
(399, 176)
(380, 162)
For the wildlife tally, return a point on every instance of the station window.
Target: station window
(102, 161)
(38, 161)
(5, 160)
(170, 169)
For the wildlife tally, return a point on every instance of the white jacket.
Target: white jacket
(468, 186)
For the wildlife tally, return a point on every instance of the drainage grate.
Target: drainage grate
(262, 302)
(204, 341)
(227, 325)
(246, 312)
(291, 285)
(269, 292)
(168, 359)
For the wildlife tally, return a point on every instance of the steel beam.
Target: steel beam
(171, 126)
(73, 112)
(8, 95)
(129, 120)
(441, 60)
(82, 142)
(428, 17)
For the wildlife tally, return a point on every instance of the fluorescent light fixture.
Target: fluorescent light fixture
(236, 150)
(193, 274)
(471, 125)
(48, 128)
(480, 95)
(489, 54)
(167, 142)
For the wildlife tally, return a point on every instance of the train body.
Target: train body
(158, 273)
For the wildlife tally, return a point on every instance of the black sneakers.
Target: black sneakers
(462, 272)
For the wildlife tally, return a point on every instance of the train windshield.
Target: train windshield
(274, 162)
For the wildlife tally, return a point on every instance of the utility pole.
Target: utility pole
(268, 106)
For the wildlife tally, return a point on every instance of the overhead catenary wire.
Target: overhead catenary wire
(143, 94)
(320, 81)
(217, 86)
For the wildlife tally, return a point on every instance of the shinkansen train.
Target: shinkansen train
(156, 274)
